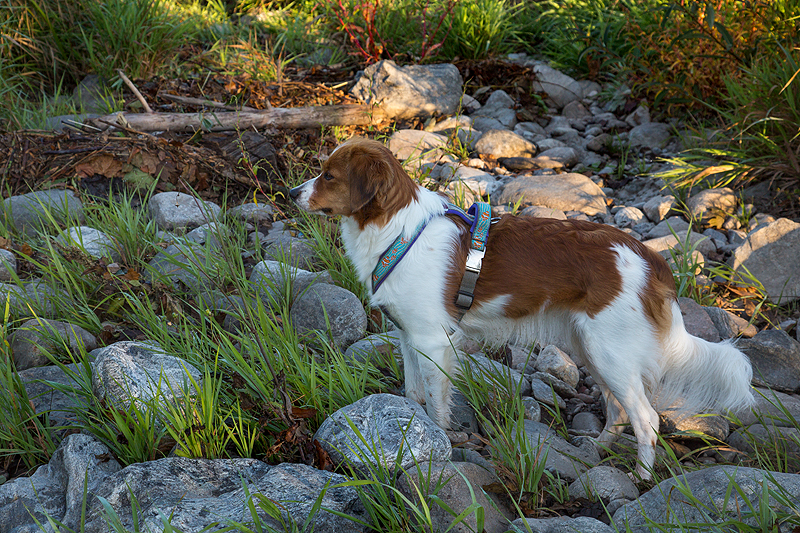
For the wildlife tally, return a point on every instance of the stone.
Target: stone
(417, 145)
(499, 106)
(575, 110)
(770, 255)
(557, 157)
(697, 243)
(561, 524)
(567, 192)
(729, 325)
(35, 339)
(604, 483)
(704, 425)
(36, 298)
(697, 321)
(388, 424)
(712, 201)
(503, 378)
(129, 372)
(776, 408)
(413, 91)
(530, 131)
(673, 225)
(28, 213)
(331, 310)
(366, 348)
(664, 504)
(652, 135)
(197, 494)
(586, 423)
(639, 116)
(559, 87)
(554, 361)
(775, 357)
(176, 211)
(543, 212)
(533, 411)
(454, 481)
(291, 250)
(39, 385)
(544, 393)
(504, 143)
(91, 241)
(657, 207)
(56, 489)
(563, 459)
(477, 182)
(276, 282)
(785, 440)
(252, 212)
(184, 265)
(627, 217)
(8, 265)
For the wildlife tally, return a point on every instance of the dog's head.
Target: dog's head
(361, 179)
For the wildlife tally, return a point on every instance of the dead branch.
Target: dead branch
(188, 100)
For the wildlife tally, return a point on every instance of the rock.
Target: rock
(388, 424)
(651, 135)
(711, 486)
(775, 357)
(417, 145)
(176, 211)
(364, 349)
(559, 87)
(56, 490)
(35, 339)
(563, 459)
(530, 131)
(533, 411)
(543, 212)
(503, 378)
(483, 124)
(198, 493)
(60, 406)
(557, 157)
(28, 213)
(33, 299)
(210, 233)
(185, 264)
(129, 371)
(575, 110)
(627, 217)
(729, 325)
(640, 115)
(8, 265)
(773, 407)
(657, 207)
(697, 321)
(93, 242)
(411, 91)
(601, 144)
(561, 524)
(710, 201)
(604, 483)
(504, 143)
(252, 212)
(477, 182)
(770, 255)
(500, 107)
(335, 312)
(274, 281)
(785, 440)
(557, 363)
(697, 242)
(544, 393)
(567, 192)
(455, 480)
(586, 423)
(562, 389)
(291, 250)
(714, 426)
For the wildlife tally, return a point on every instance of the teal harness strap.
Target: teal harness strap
(392, 255)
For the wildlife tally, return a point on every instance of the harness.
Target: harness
(479, 219)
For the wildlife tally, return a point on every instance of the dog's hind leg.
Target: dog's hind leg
(616, 418)
(415, 386)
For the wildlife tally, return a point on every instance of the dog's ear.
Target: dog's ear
(370, 175)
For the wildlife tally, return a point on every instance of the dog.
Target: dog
(591, 288)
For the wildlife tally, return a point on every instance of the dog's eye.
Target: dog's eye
(327, 176)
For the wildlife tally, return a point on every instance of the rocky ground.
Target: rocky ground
(583, 159)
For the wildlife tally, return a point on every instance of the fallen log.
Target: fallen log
(277, 117)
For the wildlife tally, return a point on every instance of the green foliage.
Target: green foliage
(483, 28)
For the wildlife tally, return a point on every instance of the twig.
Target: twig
(188, 100)
(135, 91)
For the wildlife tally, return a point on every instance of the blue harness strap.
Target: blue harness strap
(479, 218)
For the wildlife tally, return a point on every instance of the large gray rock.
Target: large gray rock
(331, 310)
(41, 384)
(770, 255)
(368, 347)
(775, 357)
(36, 338)
(772, 407)
(784, 440)
(651, 135)
(176, 211)
(275, 281)
(291, 250)
(710, 201)
(36, 298)
(561, 524)
(504, 143)
(604, 483)
(697, 321)
(476, 182)
(56, 489)
(665, 503)
(499, 106)
(411, 91)
(382, 426)
(455, 480)
(129, 371)
(504, 379)
(657, 207)
(252, 212)
(198, 493)
(567, 192)
(417, 145)
(729, 325)
(8, 265)
(93, 242)
(29, 212)
(696, 242)
(563, 459)
(554, 361)
(559, 87)
(185, 265)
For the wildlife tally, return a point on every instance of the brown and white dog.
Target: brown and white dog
(588, 287)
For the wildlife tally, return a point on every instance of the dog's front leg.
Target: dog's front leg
(434, 358)
(415, 387)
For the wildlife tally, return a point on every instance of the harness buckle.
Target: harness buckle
(475, 260)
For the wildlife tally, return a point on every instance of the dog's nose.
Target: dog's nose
(295, 192)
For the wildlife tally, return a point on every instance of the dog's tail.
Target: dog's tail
(700, 376)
